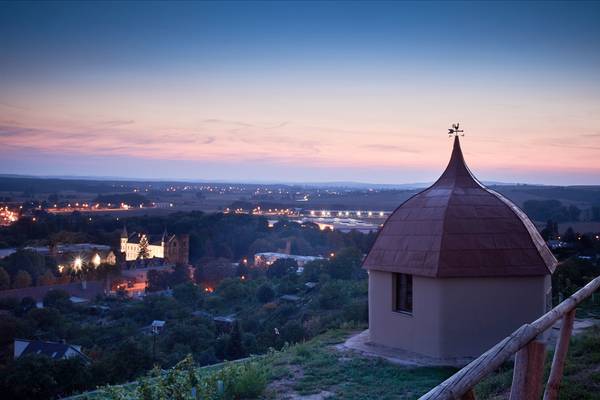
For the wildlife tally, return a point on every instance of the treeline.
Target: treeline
(34, 186)
(231, 236)
(26, 268)
(544, 210)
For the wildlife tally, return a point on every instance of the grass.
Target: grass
(350, 376)
(316, 366)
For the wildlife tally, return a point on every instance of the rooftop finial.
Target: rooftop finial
(454, 131)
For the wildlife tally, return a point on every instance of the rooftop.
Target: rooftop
(53, 350)
(459, 228)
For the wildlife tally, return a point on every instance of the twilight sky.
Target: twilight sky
(300, 91)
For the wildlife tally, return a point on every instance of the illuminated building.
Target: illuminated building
(267, 259)
(172, 248)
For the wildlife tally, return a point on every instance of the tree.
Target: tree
(214, 271)
(144, 253)
(313, 269)
(261, 246)
(234, 348)
(29, 378)
(157, 280)
(180, 274)
(232, 289)
(129, 360)
(188, 294)
(569, 235)
(22, 280)
(4, 279)
(47, 278)
(25, 260)
(282, 267)
(57, 298)
(47, 318)
(550, 232)
(265, 293)
(346, 264)
(293, 332)
(332, 295)
(574, 213)
(27, 304)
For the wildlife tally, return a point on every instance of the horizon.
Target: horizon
(300, 92)
(325, 183)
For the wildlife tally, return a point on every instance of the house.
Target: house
(76, 260)
(157, 326)
(224, 323)
(267, 259)
(558, 244)
(54, 350)
(455, 269)
(72, 256)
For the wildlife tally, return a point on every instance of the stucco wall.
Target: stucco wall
(479, 312)
(418, 332)
(454, 317)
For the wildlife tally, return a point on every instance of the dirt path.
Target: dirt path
(283, 388)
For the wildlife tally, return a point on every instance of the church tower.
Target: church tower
(124, 239)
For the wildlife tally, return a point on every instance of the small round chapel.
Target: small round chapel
(455, 269)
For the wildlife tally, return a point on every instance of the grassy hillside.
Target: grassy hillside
(315, 369)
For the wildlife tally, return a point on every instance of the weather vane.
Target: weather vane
(455, 131)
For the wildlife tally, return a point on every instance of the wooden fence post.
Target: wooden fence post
(560, 354)
(470, 395)
(529, 368)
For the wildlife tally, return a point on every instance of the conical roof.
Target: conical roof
(459, 228)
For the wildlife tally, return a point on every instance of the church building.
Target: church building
(171, 248)
(455, 269)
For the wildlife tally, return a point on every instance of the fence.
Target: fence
(530, 354)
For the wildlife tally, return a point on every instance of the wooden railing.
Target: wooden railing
(530, 354)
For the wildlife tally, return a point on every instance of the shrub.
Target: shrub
(22, 280)
(246, 380)
(4, 279)
(332, 295)
(282, 267)
(265, 293)
(250, 383)
(188, 294)
(57, 298)
(357, 311)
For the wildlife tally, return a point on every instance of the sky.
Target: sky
(300, 92)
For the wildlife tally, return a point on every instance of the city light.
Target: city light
(96, 260)
(78, 263)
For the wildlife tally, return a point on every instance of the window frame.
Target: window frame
(397, 307)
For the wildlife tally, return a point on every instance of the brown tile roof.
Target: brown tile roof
(459, 228)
